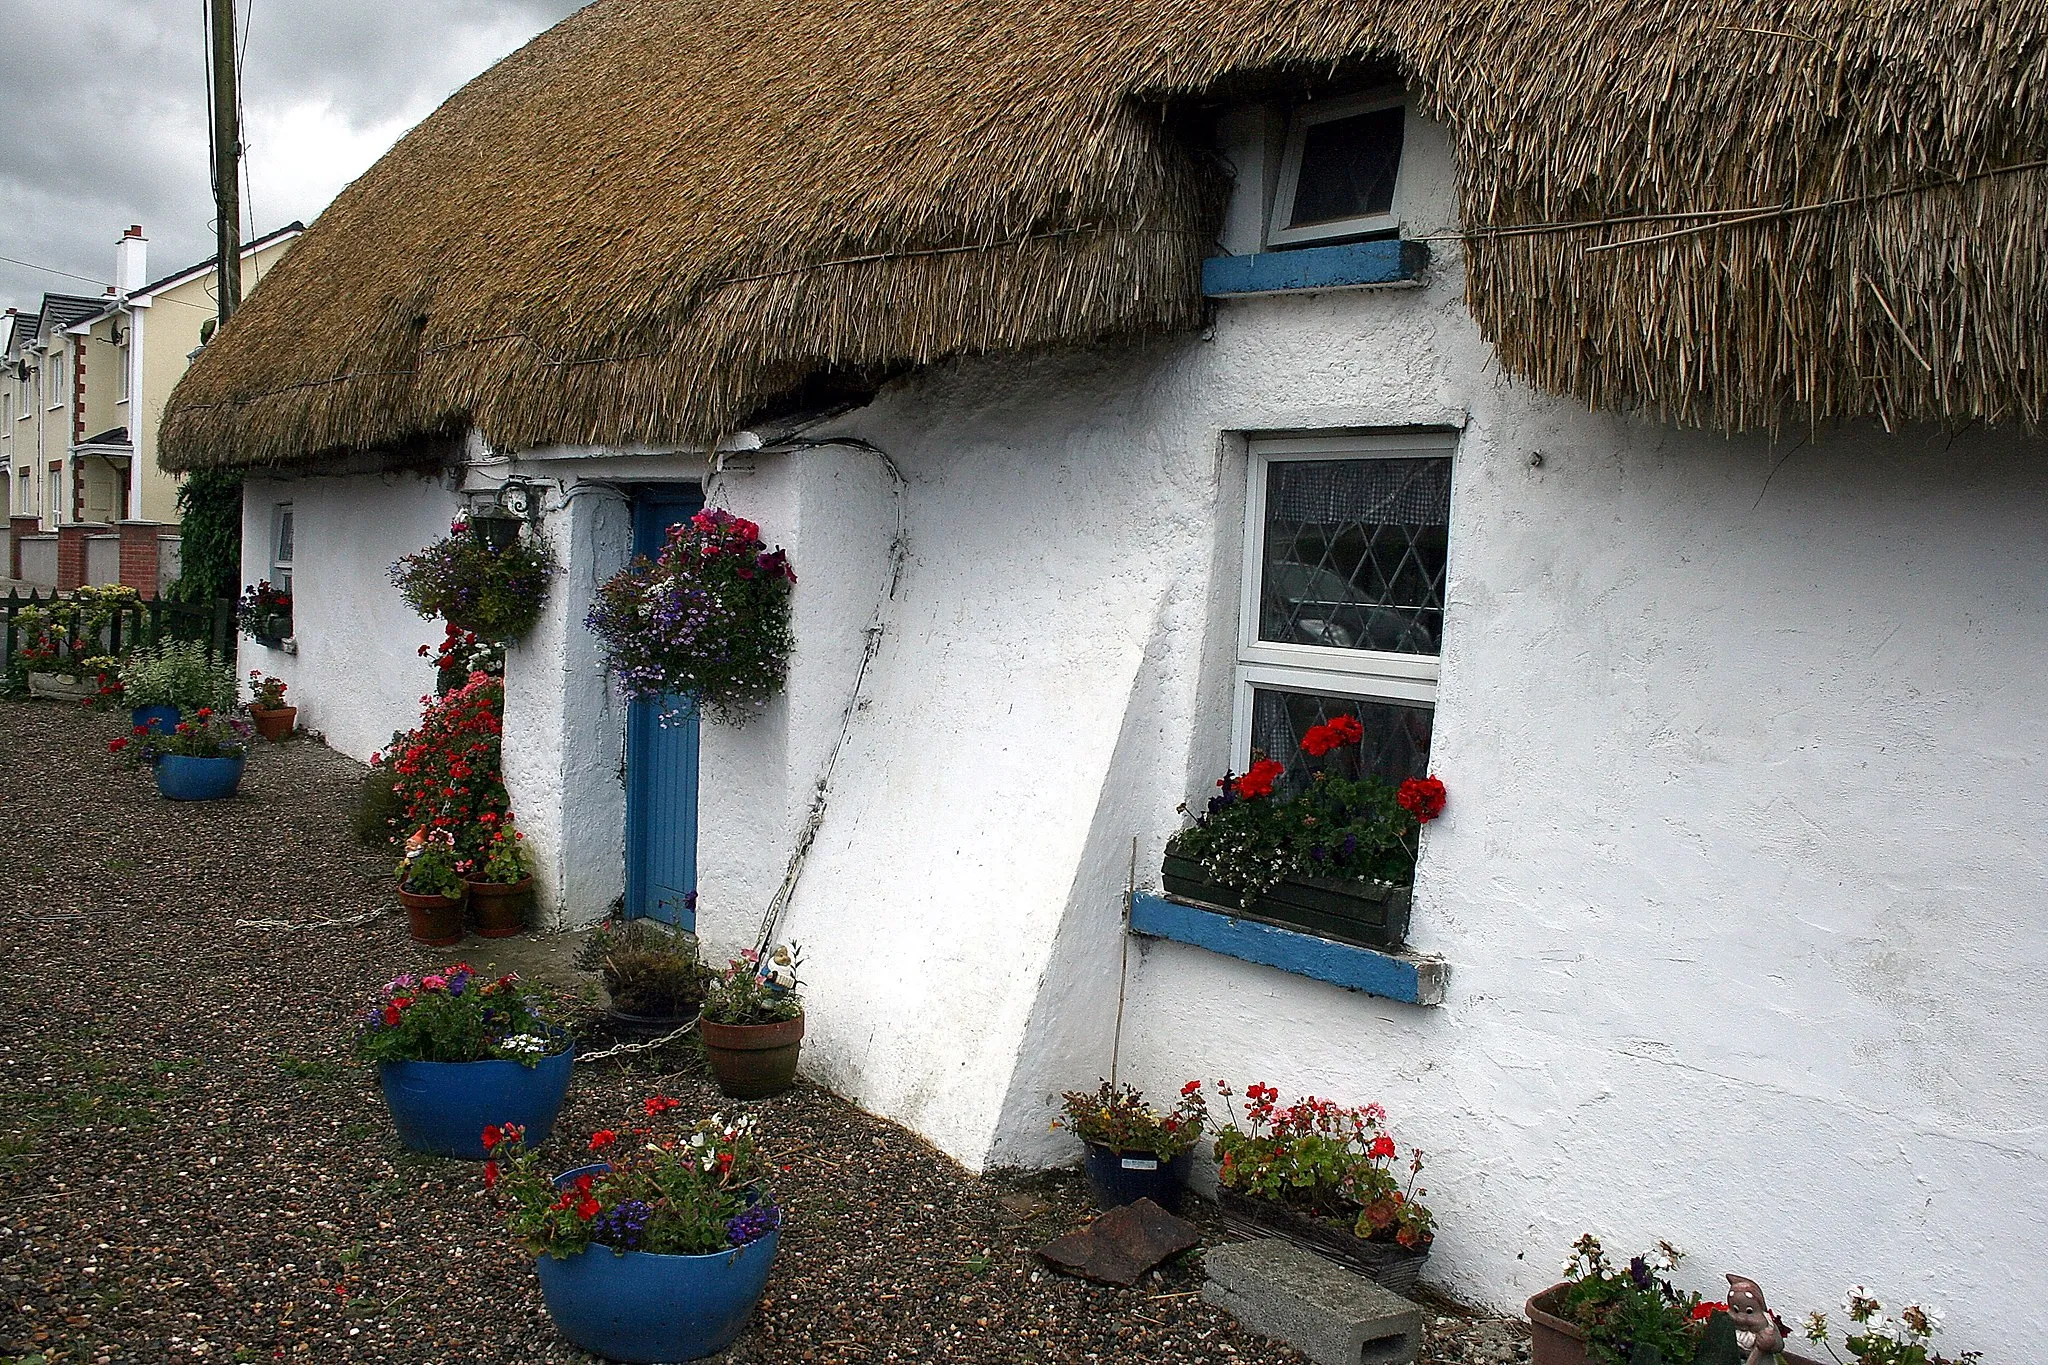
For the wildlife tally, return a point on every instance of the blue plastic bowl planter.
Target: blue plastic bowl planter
(442, 1108)
(183, 778)
(1126, 1177)
(161, 719)
(639, 1306)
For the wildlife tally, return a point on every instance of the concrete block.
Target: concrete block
(1331, 1315)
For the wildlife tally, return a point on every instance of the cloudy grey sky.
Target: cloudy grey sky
(106, 115)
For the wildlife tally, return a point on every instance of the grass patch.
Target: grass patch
(318, 1071)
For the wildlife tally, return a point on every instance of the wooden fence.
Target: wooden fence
(143, 622)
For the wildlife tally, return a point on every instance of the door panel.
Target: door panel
(661, 758)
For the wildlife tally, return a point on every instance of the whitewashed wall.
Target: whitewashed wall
(1741, 882)
(357, 675)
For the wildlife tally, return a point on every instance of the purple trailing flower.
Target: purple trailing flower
(623, 1227)
(753, 1225)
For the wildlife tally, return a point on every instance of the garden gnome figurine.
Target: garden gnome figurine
(1756, 1327)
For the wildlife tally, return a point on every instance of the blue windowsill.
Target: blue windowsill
(1353, 265)
(1410, 977)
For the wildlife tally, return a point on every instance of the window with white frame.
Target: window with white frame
(1340, 172)
(1345, 559)
(281, 548)
(53, 375)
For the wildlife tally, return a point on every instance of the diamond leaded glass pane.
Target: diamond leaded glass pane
(1356, 553)
(1396, 743)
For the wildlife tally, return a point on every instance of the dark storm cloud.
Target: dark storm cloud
(106, 115)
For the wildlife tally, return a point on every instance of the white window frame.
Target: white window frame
(1304, 117)
(279, 514)
(53, 366)
(1324, 670)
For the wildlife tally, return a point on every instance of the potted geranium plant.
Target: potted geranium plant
(753, 1023)
(500, 877)
(1875, 1337)
(1336, 857)
(454, 1052)
(659, 1249)
(274, 720)
(431, 887)
(491, 588)
(265, 614)
(1135, 1151)
(708, 619)
(461, 655)
(449, 771)
(652, 974)
(1321, 1175)
(199, 760)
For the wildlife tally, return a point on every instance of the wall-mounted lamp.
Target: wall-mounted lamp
(497, 515)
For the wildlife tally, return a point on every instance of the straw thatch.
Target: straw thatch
(663, 214)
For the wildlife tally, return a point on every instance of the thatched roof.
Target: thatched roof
(662, 214)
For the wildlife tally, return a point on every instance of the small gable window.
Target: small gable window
(1340, 174)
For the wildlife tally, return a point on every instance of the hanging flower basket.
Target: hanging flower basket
(470, 582)
(709, 619)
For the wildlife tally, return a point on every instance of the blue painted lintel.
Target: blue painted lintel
(1410, 977)
(1353, 265)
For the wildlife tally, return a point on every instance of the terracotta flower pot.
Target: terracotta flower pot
(434, 920)
(274, 724)
(1554, 1340)
(498, 909)
(753, 1061)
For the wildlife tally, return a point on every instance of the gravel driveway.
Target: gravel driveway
(191, 1168)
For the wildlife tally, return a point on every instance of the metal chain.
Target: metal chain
(620, 1049)
(352, 922)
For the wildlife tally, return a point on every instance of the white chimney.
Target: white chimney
(131, 261)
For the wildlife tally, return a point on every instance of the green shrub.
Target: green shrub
(210, 535)
(177, 673)
(375, 818)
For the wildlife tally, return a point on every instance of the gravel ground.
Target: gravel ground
(191, 1168)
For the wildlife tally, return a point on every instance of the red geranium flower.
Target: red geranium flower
(1191, 1087)
(589, 1209)
(390, 1016)
(117, 745)
(659, 1104)
(1422, 797)
(602, 1138)
(490, 1175)
(1382, 1146)
(493, 1135)
(1259, 779)
(1704, 1310)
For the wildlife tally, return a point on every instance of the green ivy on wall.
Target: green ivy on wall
(210, 524)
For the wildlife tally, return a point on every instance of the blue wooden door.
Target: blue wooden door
(661, 759)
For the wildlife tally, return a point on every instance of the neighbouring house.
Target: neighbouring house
(1634, 420)
(82, 406)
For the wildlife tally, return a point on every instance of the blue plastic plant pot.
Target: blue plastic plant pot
(442, 1108)
(161, 719)
(1126, 1177)
(183, 778)
(637, 1306)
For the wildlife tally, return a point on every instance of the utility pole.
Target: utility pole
(227, 155)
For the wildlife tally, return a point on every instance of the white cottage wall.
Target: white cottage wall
(1740, 738)
(357, 675)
